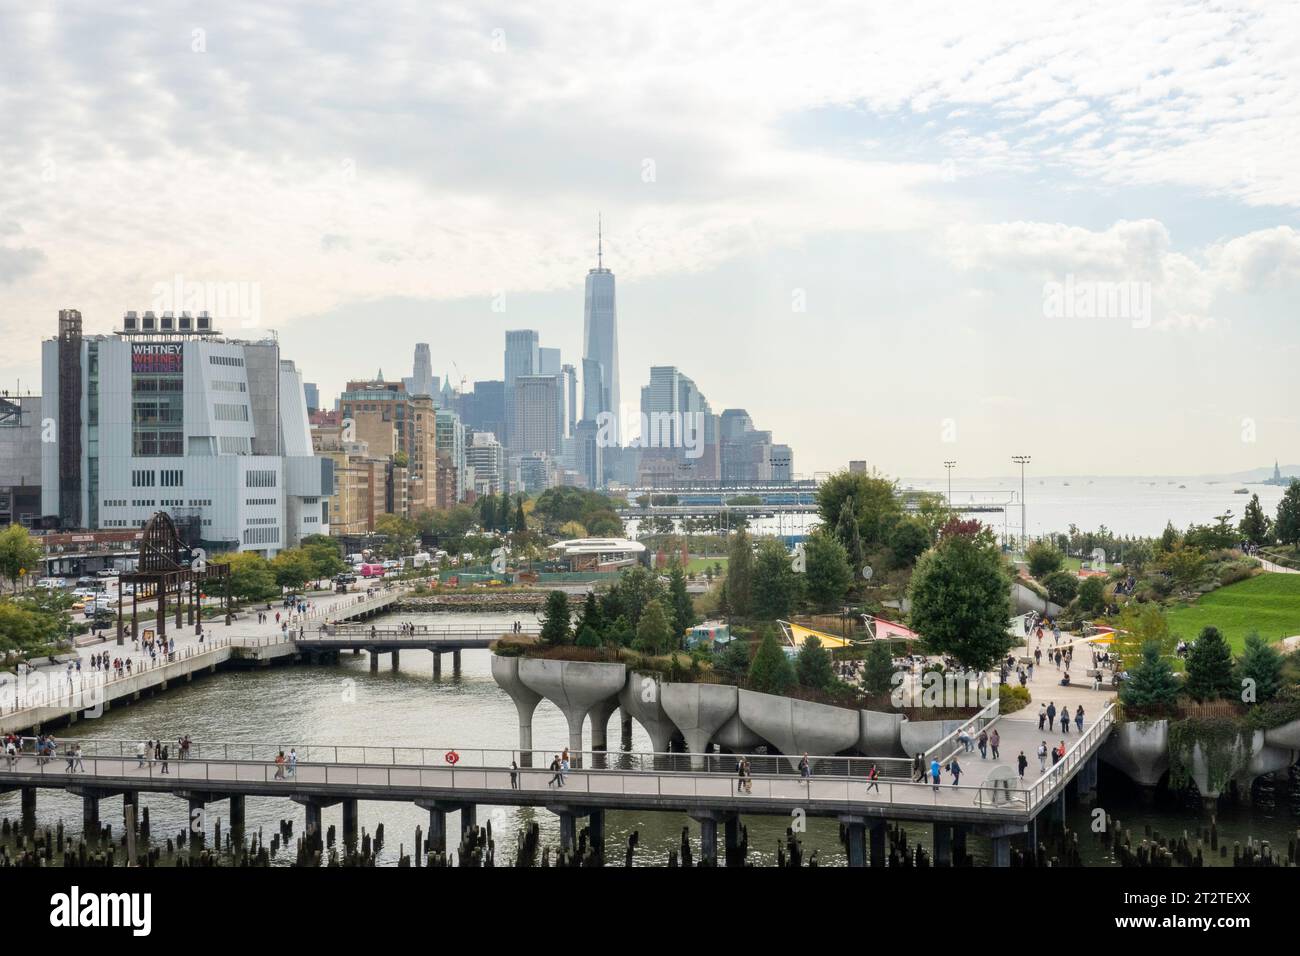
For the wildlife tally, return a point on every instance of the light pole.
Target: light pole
(950, 465)
(1022, 460)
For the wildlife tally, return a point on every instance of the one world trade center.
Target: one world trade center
(600, 344)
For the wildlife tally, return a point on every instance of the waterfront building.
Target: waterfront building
(20, 459)
(168, 415)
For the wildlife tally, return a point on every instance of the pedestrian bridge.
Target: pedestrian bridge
(705, 787)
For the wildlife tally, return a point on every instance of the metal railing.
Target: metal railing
(1046, 786)
(421, 633)
(219, 776)
(93, 682)
(947, 745)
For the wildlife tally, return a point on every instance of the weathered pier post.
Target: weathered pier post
(942, 844)
(455, 662)
(374, 661)
(349, 821)
(29, 803)
(396, 658)
(236, 813)
(879, 832)
(437, 664)
(708, 821)
(855, 839)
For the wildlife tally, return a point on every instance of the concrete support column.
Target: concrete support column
(878, 852)
(600, 713)
(958, 842)
(596, 830)
(437, 663)
(568, 830)
(855, 833)
(455, 662)
(350, 830)
(90, 812)
(313, 827)
(731, 837)
(236, 811)
(709, 839)
(396, 658)
(437, 840)
(1001, 851)
(942, 844)
(374, 662)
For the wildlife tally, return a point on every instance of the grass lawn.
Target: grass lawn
(697, 565)
(1267, 603)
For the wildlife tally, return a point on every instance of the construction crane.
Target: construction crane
(462, 377)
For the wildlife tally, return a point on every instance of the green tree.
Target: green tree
(399, 535)
(876, 505)
(487, 512)
(1262, 665)
(1092, 595)
(588, 637)
(1169, 539)
(620, 633)
(1287, 525)
(251, 577)
(776, 586)
(740, 574)
(19, 554)
(1152, 686)
(292, 568)
(1185, 565)
(1043, 559)
(1209, 667)
(846, 530)
(813, 665)
(1136, 556)
(591, 616)
(1255, 526)
(733, 663)
(683, 609)
(636, 587)
(908, 540)
(557, 627)
(961, 601)
(654, 634)
(521, 523)
(325, 555)
(828, 574)
(770, 672)
(23, 628)
(878, 669)
(1062, 586)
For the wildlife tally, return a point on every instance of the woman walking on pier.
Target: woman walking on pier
(1065, 720)
(995, 741)
(918, 769)
(279, 765)
(1021, 763)
(1078, 718)
(934, 773)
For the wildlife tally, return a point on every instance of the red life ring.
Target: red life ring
(452, 757)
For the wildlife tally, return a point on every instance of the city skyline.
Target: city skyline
(947, 226)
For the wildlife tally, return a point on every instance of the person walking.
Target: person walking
(139, 753)
(995, 741)
(805, 768)
(934, 773)
(514, 775)
(918, 769)
(162, 754)
(557, 780)
(1078, 718)
(741, 769)
(1042, 715)
(1051, 715)
(293, 761)
(954, 768)
(984, 744)
(1021, 763)
(1065, 720)
(873, 779)
(1042, 757)
(279, 765)
(81, 765)
(1058, 753)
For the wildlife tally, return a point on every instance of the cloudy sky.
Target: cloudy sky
(942, 232)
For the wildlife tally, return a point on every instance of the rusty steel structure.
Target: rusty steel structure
(167, 569)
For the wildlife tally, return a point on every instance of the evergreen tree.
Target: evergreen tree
(740, 574)
(587, 637)
(1287, 525)
(1262, 664)
(1092, 595)
(828, 574)
(1255, 525)
(683, 609)
(813, 665)
(556, 625)
(1209, 667)
(620, 633)
(654, 633)
(590, 615)
(776, 586)
(878, 669)
(521, 524)
(770, 672)
(487, 514)
(1043, 559)
(850, 535)
(1152, 685)
(733, 664)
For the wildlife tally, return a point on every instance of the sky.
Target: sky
(936, 232)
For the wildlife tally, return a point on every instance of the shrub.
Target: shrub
(1011, 698)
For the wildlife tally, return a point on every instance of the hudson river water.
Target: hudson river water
(346, 704)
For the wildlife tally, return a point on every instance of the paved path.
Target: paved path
(1019, 731)
(1275, 568)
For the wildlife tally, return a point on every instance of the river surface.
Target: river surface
(346, 704)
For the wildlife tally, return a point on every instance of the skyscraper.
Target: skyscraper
(521, 358)
(422, 381)
(600, 337)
